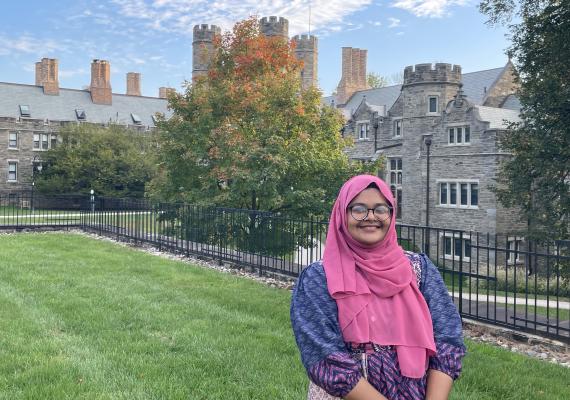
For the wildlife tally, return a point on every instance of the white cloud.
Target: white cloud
(30, 45)
(428, 8)
(394, 22)
(182, 15)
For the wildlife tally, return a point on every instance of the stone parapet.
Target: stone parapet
(427, 73)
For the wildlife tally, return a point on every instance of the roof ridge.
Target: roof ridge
(78, 90)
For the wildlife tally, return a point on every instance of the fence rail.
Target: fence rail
(504, 280)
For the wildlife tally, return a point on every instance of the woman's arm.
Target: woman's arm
(364, 391)
(438, 385)
(314, 318)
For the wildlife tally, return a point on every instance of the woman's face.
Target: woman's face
(369, 231)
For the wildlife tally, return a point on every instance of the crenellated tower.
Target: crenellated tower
(429, 88)
(203, 48)
(274, 27)
(306, 50)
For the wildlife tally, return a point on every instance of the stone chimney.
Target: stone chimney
(133, 84)
(353, 73)
(164, 92)
(101, 82)
(47, 76)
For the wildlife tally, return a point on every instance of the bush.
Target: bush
(519, 282)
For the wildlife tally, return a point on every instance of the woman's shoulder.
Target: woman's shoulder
(312, 274)
(312, 283)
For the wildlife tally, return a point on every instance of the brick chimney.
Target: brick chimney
(133, 84)
(47, 76)
(164, 92)
(353, 73)
(101, 82)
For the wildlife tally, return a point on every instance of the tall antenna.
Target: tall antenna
(309, 17)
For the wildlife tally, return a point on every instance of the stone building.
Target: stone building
(458, 118)
(306, 47)
(32, 115)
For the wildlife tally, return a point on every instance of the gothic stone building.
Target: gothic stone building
(32, 115)
(457, 118)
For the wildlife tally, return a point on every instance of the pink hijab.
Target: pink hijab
(374, 287)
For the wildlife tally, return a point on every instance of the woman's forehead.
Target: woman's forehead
(370, 196)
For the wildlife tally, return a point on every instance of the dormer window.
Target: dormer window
(136, 119)
(363, 128)
(80, 114)
(25, 110)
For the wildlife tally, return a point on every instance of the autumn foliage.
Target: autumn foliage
(247, 136)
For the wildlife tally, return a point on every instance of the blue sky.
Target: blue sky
(154, 37)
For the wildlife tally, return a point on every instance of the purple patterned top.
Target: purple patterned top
(337, 366)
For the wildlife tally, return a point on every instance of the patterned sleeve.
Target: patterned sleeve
(314, 318)
(447, 326)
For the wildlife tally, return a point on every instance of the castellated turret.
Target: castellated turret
(429, 88)
(203, 48)
(274, 26)
(306, 50)
(427, 74)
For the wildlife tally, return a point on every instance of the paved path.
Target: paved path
(531, 301)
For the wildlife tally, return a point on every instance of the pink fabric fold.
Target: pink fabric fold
(374, 287)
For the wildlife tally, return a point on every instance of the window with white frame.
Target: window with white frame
(395, 170)
(459, 136)
(462, 194)
(398, 128)
(44, 141)
(12, 140)
(363, 128)
(432, 105)
(456, 247)
(513, 250)
(12, 171)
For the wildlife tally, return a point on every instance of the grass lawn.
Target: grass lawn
(86, 319)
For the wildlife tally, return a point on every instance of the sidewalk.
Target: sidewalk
(531, 301)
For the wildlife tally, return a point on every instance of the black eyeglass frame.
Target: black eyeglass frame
(390, 213)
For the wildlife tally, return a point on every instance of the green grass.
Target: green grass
(85, 319)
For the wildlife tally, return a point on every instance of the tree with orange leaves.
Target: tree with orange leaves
(247, 136)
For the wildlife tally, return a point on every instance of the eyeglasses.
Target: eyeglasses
(360, 212)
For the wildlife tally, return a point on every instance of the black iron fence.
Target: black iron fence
(504, 280)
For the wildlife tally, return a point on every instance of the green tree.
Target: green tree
(247, 136)
(537, 177)
(375, 80)
(113, 161)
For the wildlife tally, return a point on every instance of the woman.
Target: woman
(372, 321)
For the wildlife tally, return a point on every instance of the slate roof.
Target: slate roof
(512, 103)
(382, 96)
(497, 117)
(475, 86)
(63, 106)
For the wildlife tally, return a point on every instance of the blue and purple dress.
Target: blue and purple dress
(336, 366)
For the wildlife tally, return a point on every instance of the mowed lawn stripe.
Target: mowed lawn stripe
(156, 326)
(88, 319)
